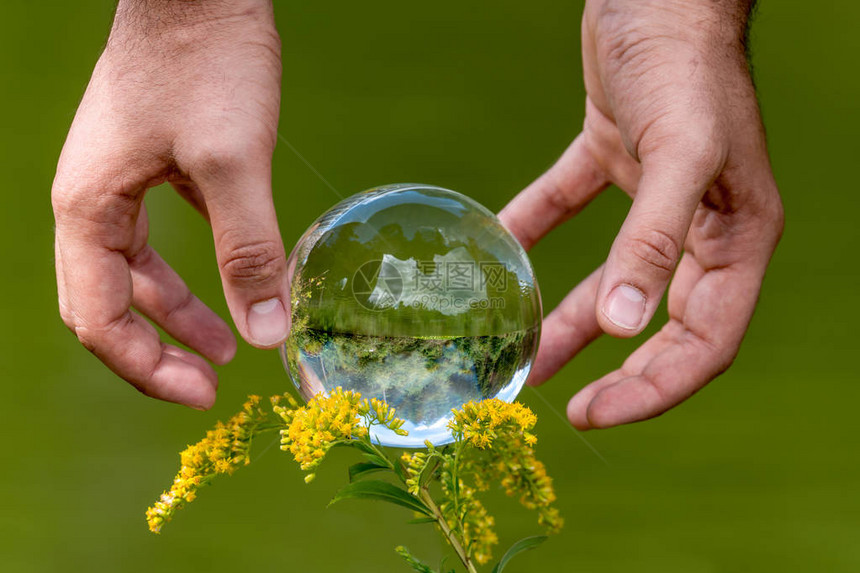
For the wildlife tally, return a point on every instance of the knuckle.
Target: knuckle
(60, 196)
(765, 216)
(725, 361)
(214, 161)
(656, 249)
(94, 201)
(68, 319)
(721, 353)
(554, 194)
(777, 215)
(702, 152)
(87, 338)
(693, 146)
(69, 196)
(659, 390)
(176, 308)
(170, 303)
(724, 357)
(66, 314)
(91, 335)
(256, 263)
(223, 157)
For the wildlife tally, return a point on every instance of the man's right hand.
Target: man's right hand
(185, 92)
(671, 118)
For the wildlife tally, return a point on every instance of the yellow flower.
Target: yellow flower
(313, 429)
(415, 463)
(478, 527)
(222, 450)
(480, 423)
(327, 419)
(500, 432)
(550, 518)
(470, 514)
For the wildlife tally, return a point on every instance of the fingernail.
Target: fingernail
(267, 322)
(625, 306)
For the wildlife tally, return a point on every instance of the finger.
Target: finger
(94, 231)
(688, 273)
(99, 292)
(648, 246)
(577, 409)
(557, 195)
(671, 377)
(162, 295)
(569, 328)
(681, 358)
(130, 347)
(193, 360)
(249, 247)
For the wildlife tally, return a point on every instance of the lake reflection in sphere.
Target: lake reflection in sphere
(415, 295)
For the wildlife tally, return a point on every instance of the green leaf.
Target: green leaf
(361, 469)
(418, 520)
(519, 547)
(373, 458)
(381, 490)
(412, 561)
(353, 443)
(398, 469)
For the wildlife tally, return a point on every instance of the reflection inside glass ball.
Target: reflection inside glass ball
(415, 295)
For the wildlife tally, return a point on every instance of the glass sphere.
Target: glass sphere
(415, 295)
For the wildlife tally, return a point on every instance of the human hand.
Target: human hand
(185, 92)
(672, 119)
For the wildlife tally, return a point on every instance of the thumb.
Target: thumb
(648, 246)
(250, 253)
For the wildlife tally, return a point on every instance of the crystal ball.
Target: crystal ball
(415, 295)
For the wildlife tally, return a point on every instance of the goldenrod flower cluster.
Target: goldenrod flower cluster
(414, 463)
(469, 513)
(461, 508)
(327, 419)
(480, 423)
(313, 429)
(525, 476)
(502, 433)
(478, 527)
(378, 412)
(493, 445)
(223, 449)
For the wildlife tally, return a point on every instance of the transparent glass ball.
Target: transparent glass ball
(415, 295)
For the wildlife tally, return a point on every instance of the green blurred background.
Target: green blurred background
(759, 472)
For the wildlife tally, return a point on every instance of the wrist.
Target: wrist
(703, 23)
(184, 20)
(732, 16)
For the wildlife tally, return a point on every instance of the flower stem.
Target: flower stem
(263, 428)
(450, 536)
